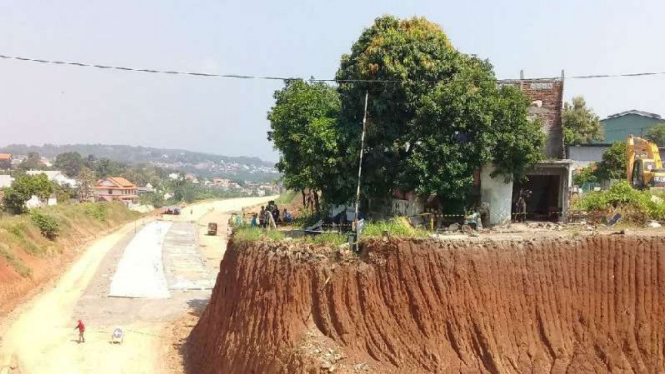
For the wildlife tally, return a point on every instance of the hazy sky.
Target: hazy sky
(62, 104)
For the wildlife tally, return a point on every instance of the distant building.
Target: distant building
(116, 189)
(55, 176)
(5, 161)
(616, 128)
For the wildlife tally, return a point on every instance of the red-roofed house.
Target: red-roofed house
(116, 189)
(5, 161)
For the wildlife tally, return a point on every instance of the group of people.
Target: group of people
(270, 216)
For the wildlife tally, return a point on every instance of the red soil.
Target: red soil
(590, 305)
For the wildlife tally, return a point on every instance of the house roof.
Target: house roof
(116, 182)
(635, 112)
(5, 156)
(122, 182)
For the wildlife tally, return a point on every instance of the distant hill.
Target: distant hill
(204, 164)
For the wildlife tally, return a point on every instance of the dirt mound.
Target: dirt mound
(588, 305)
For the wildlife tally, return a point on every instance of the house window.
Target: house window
(110, 192)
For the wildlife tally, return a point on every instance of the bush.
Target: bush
(46, 223)
(635, 206)
(99, 211)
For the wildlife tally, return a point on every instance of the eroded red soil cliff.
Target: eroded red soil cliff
(588, 305)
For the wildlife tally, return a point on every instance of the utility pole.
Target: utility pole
(360, 167)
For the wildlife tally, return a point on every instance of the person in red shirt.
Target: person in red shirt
(81, 328)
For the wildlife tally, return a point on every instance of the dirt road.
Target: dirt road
(39, 337)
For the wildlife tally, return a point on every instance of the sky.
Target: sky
(64, 104)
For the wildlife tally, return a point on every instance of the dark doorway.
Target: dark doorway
(543, 204)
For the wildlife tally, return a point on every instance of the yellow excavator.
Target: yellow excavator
(644, 167)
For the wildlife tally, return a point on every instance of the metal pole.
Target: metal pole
(360, 164)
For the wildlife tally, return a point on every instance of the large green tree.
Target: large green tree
(70, 163)
(303, 127)
(656, 134)
(613, 163)
(23, 188)
(580, 124)
(435, 115)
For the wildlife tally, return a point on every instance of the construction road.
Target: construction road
(139, 278)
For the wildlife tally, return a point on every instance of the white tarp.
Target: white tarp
(140, 272)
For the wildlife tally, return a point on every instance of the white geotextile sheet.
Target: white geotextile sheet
(140, 272)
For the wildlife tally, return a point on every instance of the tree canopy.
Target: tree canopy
(70, 163)
(656, 134)
(436, 117)
(303, 127)
(23, 188)
(613, 164)
(580, 124)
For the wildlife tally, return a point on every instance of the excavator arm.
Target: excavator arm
(642, 149)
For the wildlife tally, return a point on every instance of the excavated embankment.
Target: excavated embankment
(587, 305)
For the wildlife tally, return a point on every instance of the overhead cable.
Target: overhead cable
(332, 80)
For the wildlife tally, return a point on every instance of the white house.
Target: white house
(55, 176)
(35, 202)
(6, 181)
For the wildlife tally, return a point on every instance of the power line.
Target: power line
(259, 77)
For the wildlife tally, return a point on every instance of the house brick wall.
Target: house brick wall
(549, 92)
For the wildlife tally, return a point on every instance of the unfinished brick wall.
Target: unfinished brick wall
(549, 94)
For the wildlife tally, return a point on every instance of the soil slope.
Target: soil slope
(590, 305)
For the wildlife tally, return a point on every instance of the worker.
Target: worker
(81, 327)
(521, 206)
(287, 217)
(262, 217)
(255, 222)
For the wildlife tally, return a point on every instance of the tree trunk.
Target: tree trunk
(303, 198)
(316, 201)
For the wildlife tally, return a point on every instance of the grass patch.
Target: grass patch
(332, 238)
(50, 230)
(398, 226)
(252, 234)
(16, 263)
(286, 198)
(97, 211)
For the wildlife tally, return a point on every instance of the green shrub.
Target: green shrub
(635, 206)
(99, 211)
(46, 223)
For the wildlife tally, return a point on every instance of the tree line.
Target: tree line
(86, 171)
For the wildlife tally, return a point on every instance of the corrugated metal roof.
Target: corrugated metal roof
(636, 112)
